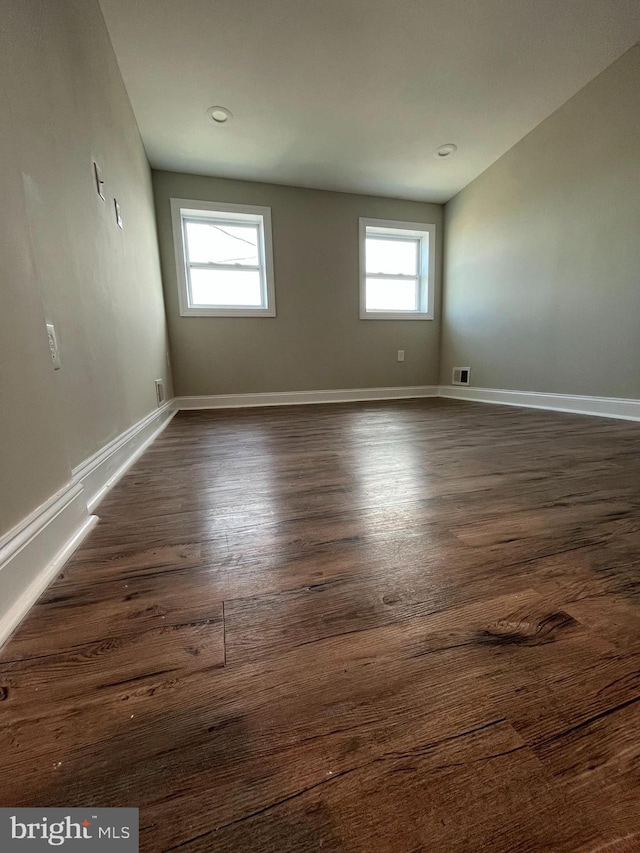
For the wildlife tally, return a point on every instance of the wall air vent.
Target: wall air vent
(460, 376)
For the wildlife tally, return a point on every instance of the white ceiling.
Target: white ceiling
(356, 95)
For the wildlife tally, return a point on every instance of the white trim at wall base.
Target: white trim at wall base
(101, 472)
(605, 407)
(33, 552)
(299, 398)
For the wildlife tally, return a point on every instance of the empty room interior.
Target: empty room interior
(319, 426)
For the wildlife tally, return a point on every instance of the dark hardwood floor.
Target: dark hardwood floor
(401, 626)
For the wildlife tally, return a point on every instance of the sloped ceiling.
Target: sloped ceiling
(356, 95)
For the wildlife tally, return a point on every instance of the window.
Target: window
(397, 268)
(224, 259)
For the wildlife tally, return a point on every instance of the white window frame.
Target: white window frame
(426, 233)
(182, 209)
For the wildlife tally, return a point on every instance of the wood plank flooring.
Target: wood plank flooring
(400, 626)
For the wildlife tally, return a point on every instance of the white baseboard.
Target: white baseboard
(606, 407)
(299, 398)
(101, 472)
(33, 552)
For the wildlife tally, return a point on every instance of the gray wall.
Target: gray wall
(542, 254)
(317, 341)
(62, 257)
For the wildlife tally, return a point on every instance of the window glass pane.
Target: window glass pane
(388, 294)
(393, 257)
(220, 243)
(226, 288)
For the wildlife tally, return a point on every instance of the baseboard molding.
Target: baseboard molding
(101, 472)
(300, 398)
(33, 552)
(608, 407)
(605, 407)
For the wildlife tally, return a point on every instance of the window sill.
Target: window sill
(395, 315)
(228, 312)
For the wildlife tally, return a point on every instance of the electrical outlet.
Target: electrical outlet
(159, 391)
(400, 355)
(118, 214)
(53, 346)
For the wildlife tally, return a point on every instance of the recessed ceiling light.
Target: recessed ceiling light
(219, 115)
(446, 150)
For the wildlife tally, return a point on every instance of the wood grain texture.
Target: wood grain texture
(400, 626)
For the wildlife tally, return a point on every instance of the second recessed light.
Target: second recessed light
(446, 150)
(220, 115)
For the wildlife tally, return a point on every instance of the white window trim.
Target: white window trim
(240, 212)
(427, 233)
